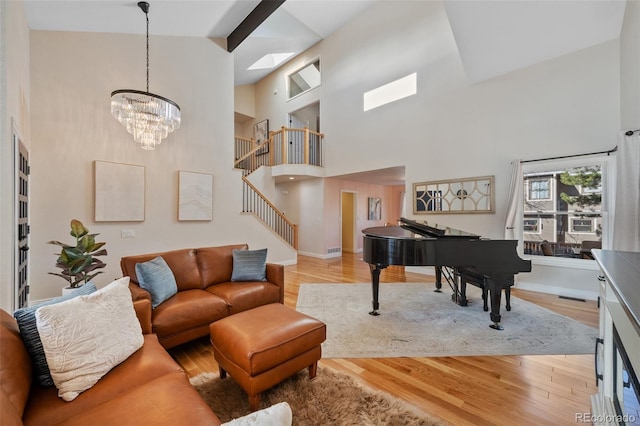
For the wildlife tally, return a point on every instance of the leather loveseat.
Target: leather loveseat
(149, 387)
(205, 291)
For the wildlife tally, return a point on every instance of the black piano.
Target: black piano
(493, 262)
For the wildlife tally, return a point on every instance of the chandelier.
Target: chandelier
(148, 117)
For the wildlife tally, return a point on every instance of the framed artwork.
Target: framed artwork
(195, 196)
(465, 195)
(119, 192)
(261, 134)
(375, 208)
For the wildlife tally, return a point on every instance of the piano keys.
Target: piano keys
(418, 244)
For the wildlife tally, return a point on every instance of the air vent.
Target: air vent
(334, 250)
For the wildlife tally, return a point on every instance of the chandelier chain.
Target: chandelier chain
(146, 14)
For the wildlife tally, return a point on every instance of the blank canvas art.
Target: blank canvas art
(195, 199)
(119, 192)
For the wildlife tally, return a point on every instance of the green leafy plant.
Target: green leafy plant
(79, 262)
(587, 178)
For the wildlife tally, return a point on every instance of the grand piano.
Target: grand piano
(414, 243)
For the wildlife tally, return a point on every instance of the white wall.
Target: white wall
(14, 111)
(450, 128)
(73, 75)
(245, 100)
(630, 67)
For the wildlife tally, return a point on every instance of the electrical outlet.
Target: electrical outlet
(128, 233)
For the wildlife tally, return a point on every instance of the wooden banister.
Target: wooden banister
(284, 146)
(255, 202)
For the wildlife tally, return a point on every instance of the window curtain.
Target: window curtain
(626, 224)
(513, 222)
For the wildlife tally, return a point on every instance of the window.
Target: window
(390, 92)
(582, 225)
(532, 225)
(539, 189)
(303, 80)
(562, 206)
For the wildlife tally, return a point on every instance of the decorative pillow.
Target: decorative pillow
(277, 415)
(85, 337)
(26, 318)
(249, 265)
(157, 278)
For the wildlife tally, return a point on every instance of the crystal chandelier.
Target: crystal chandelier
(148, 117)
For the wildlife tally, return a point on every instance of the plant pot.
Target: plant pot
(68, 290)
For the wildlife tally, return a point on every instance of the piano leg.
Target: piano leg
(375, 286)
(495, 292)
(462, 298)
(438, 279)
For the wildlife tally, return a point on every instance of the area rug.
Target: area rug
(332, 398)
(415, 321)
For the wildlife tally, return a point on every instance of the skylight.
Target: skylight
(270, 60)
(391, 92)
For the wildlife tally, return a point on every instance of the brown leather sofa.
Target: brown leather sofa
(205, 291)
(147, 388)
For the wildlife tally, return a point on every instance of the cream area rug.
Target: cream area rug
(415, 321)
(332, 398)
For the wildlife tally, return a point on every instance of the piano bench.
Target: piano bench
(469, 275)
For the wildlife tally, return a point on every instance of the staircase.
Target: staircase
(285, 146)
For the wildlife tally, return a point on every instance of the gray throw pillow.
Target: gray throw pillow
(249, 265)
(26, 319)
(157, 278)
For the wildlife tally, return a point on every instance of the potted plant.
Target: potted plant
(79, 262)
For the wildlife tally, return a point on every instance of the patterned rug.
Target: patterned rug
(415, 321)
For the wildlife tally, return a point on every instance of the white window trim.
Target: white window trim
(593, 226)
(537, 219)
(297, 69)
(608, 201)
(549, 181)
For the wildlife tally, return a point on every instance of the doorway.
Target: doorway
(306, 117)
(348, 221)
(21, 191)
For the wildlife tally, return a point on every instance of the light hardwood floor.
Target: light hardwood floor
(480, 390)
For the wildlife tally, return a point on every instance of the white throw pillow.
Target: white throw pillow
(277, 415)
(85, 337)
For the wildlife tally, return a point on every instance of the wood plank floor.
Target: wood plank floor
(480, 390)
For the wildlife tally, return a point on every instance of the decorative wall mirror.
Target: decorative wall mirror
(304, 79)
(466, 195)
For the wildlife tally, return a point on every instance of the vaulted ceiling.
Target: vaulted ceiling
(493, 37)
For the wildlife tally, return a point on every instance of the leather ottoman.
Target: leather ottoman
(261, 347)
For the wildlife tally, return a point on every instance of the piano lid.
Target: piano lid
(394, 232)
(436, 230)
(410, 229)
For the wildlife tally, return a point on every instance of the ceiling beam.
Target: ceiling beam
(253, 20)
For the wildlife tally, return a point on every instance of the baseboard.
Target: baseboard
(320, 256)
(287, 262)
(560, 291)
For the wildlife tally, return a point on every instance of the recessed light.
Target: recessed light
(291, 178)
(270, 60)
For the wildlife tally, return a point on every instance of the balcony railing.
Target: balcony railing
(574, 250)
(285, 146)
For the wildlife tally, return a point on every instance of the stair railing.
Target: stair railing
(253, 201)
